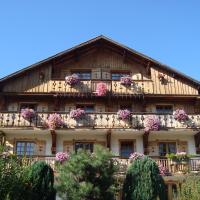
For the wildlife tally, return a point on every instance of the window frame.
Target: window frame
(28, 103)
(84, 142)
(25, 147)
(83, 106)
(120, 73)
(79, 71)
(167, 147)
(170, 105)
(120, 147)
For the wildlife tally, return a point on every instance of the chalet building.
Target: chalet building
(156, 90)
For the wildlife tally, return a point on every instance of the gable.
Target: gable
(102, 56)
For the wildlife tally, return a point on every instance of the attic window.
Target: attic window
(118, 75)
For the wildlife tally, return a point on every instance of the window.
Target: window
(25, 148)
(162, 109)
(118, 75)
(126, 148)
(84, 145)
(167, 148)
(86, 108)
(124, 107)
(28, 105)
(83, 75)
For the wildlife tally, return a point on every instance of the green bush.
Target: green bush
(190, 189)
(87, 176)
(143, 181)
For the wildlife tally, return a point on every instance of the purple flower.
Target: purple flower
(151, 123)
(123, 114)
(126, 80)
(180, 115)
(62, 157)
(101, 89)
(163, 170)
(54, 121)
(27, 113)
(136, 156)
(77, 113)
(72, 80)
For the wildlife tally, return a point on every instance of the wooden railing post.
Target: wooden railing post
(108, 139)
(145, 142)
(53, 137)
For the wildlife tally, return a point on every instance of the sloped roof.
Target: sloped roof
(106, 39)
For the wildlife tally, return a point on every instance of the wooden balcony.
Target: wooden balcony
(88, 87)
(192, 166)
(100, 120)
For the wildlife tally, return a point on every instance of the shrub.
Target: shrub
(87, 176)
(143, 181)
(190, 189)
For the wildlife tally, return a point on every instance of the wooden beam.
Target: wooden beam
(197, 142)
(108, 139)
(53, 145)
(146, 142)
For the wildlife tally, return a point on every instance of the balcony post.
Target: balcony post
(197, 142)
(108, 139)
(146, 142)
(53, 137)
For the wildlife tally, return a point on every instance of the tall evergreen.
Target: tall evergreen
(143, 181)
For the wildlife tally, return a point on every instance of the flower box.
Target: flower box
(77, 114)
(126, 80)
(27, 113)
(72, 80)
(124, 114)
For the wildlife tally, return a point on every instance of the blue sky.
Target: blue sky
(32, 30)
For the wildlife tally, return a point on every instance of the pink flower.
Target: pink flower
(151, 123)
(62, 157)
(77, 113)
(163, 171)
(54, 121)
(101, 89)
(72, 80)
(123, 114)
(27, 113)
(136, 156)
(126, 80)
(180, 115)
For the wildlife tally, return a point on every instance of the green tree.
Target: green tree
(190, 189)
(88, 176)
(143, 181)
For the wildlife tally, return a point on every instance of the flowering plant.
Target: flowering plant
(126, 80)
(136, 156)
(72, 80)
(151, 123)
(62, 157)
(123, 114)
(163, 170)
(161, 76)
(77, 113)
(182, 156)
(101, 89)
(54, 121)
(180, 115)
(27, 113)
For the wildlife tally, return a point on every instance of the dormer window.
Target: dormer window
(83, 75)
(116, 75)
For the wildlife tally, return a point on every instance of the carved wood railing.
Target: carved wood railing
(113, 87)
(192, 166)
(97, 120)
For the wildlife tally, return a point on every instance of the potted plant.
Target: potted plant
(77, 114)
(172, 157)
(61, 157)
(182, 157)
(180, 115)
(124, 114)
(72, 80)
(126, 80)
(54, 121)
(151, 123)
(136, 156)
(101, 89)
(27, 114)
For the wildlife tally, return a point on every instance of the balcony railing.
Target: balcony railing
(192, 166)
(97, 120)
(113, 87)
